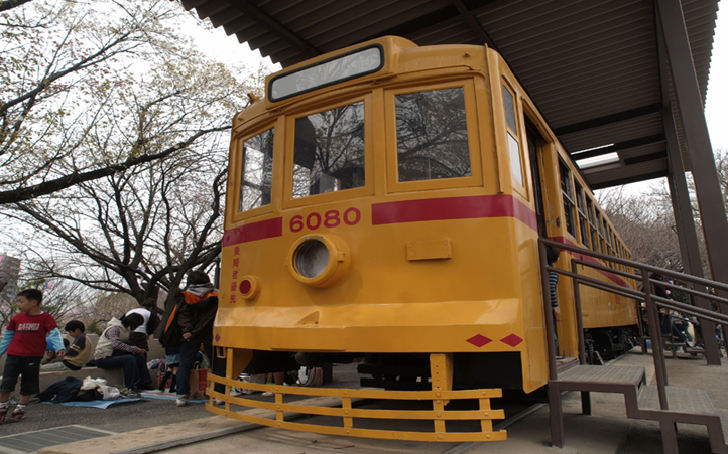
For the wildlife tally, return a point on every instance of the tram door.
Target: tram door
(532, 139)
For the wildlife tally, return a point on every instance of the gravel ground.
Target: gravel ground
(117, 418)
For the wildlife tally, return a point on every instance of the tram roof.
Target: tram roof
(590, 66)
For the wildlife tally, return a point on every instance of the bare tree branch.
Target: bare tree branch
(6, 5)
(49, 187)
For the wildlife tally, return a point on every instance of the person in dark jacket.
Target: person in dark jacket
(170, 336)
(196, 311)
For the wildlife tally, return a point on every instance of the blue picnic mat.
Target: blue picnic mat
(166, 396)
(104, 404)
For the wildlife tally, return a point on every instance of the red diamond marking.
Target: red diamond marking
(479, 340)
(512, 340)
(217, 337)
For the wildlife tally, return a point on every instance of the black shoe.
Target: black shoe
(173, 386)
(146, 387)
(166, 376)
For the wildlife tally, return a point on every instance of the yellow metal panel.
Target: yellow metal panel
(428, 250)
(308, 338)
(416, 339)
(442, 367)
(537, 359)
(237, 360)
(466, 276)
(421, 59)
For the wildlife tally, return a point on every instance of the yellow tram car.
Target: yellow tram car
(384, 202)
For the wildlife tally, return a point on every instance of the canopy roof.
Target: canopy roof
(591, 66)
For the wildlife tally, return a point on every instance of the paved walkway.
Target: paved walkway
(606, 431)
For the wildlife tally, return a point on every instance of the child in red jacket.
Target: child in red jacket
(25, 343)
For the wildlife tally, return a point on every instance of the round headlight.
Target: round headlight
(318, 260)
(311, 259)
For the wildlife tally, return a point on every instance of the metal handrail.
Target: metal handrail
(646, 295)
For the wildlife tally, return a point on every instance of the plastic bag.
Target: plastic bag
(92, 383)
(110, 392)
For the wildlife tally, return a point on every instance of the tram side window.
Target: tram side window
(582, 215)
(257, 174)
(592, 225)
(514, 151)
(610, 240)
(432, 135)
(601, 233)
(568, 192)
(607, 237)
(607, 240)
(328, 151)
(620, 253)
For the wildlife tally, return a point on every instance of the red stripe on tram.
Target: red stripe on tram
(613, 277)
(259, 230)
(468, 207)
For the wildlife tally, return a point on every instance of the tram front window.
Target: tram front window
(432, 135)
(328, 151)
(257, 171)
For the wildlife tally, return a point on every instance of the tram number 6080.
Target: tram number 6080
(330, 219)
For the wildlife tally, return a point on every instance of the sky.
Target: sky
(226, 48)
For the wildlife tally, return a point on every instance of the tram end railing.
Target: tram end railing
(346, 417)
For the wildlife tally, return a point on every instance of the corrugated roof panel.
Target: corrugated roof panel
(189, 4)
(592, 54)
(375, 19)
(604, 179)
(210, 8)
(657, 148)
(225, 16)
(314, 22)
(646, 125)
(533, 33)
(448, 35)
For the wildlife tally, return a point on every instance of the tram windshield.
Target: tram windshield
(432, 135)
(328, 151)
(257, 172)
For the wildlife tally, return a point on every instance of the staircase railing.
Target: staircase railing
(699, 292)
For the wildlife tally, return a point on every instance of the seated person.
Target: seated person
(140, 336)
(50, 353)
(113, 351)
(77, 355)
